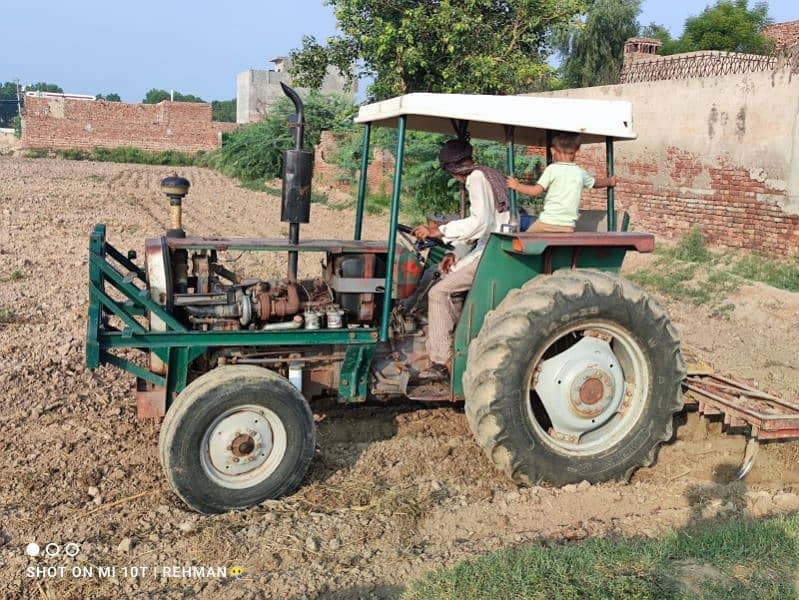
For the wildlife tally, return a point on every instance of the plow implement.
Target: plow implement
(741, 405)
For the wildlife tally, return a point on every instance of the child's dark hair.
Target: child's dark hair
(566, 142)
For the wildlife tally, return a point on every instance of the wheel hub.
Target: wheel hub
(591, 392)
(243, 445)
(580, 388)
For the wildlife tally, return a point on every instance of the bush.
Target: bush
(256, 151)
(16, 123)
(427, 188)
(691, 247)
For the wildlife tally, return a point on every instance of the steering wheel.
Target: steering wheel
(419, 245)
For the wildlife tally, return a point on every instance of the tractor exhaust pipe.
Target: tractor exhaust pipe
(295, 205)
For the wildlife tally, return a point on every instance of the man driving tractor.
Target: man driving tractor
(488, 211)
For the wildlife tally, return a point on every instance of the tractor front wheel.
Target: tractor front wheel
(575, 376)
(235, 437)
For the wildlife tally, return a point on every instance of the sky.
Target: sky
(195, 47)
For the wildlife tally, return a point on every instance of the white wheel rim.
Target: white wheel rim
(612, 371)
(243, 446)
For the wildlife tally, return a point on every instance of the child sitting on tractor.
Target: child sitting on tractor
(563, 181)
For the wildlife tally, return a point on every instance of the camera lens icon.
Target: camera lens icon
(32, 549)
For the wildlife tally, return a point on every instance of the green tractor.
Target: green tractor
(568, 372)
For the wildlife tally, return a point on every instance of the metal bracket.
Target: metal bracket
(354, 379)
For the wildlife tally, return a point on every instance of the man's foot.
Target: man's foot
(435, 372)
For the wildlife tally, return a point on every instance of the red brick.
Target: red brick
(68, 124)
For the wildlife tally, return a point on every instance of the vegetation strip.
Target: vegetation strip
(691, 272)
(748, 559)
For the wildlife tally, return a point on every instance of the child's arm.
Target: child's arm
(603, 182)
(529, 190)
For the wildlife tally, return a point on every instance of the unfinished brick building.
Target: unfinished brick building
(786, 35)
(59, 122)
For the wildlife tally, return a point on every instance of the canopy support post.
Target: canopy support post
(392, 232)
(367, 133)
(611, 189)
(510, 131)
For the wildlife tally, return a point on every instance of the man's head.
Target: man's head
(565, 145)
(455, 155)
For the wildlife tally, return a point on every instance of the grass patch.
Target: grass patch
(6, 315)
(259, 185)
(779, 274)
(689, 248)
(15, 276)
(741, 559)
(688, 282)
(40, 153)
(319, 198)
(125, 154)
(690, 272)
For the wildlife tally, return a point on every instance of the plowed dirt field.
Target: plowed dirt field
(393, 491)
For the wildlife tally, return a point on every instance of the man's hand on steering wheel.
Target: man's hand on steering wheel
(422, 232)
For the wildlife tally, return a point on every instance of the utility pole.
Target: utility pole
(19, 100)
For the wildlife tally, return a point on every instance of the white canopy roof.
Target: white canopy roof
(532, 116)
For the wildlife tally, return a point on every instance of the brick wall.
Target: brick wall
(785, 34)
(719, 152)
(736, 207)
(65, 124)
(379, 175)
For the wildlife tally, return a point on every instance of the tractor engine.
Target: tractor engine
(188, 277)
(206, 295)
(220, 299)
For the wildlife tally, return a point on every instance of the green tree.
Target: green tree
(255, 151)
(728, 25)
(154, 96)
(594, 48)
(8, 98)
(112, 97)
(654, 30)
(224, 110)
(470, 46)
(8, 103)
(44, 87)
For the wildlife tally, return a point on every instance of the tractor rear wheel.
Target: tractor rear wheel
(575, 376)
(235, 437)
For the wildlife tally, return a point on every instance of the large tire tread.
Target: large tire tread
(506, 332)
(197, 396)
